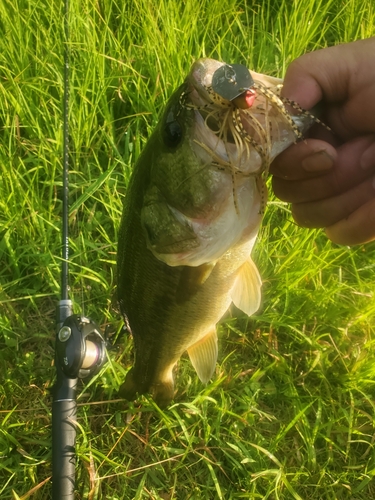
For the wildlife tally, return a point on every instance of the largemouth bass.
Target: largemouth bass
(191, 216)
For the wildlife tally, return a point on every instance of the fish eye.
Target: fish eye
(172, 131)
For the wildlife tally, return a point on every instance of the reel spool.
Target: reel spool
(80, 347)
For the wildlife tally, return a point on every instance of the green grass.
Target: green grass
(290, 411)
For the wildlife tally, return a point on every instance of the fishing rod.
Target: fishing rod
(80, 346)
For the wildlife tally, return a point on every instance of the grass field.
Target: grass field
(290, 412)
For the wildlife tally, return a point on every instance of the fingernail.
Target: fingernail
(317, 162)
(367, 160)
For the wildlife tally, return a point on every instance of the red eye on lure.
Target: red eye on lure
(245, 100)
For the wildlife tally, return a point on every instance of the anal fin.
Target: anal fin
(203, 356)
(246, 292)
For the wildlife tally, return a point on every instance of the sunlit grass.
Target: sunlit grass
(289, 413)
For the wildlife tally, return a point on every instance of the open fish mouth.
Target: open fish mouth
(240, 133)
(245, 112)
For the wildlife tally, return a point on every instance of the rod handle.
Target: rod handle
(64, 416)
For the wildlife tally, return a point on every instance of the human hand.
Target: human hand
(330, 177)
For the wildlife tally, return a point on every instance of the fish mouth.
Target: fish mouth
(230, 131)
(213, 123)
(249, 121)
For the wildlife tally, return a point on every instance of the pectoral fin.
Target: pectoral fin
(246, 293)
(203, 356)
(191, 280)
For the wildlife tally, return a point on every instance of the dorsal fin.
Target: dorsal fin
(203, 355)
(246, 293)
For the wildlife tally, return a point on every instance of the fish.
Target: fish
(191, 215)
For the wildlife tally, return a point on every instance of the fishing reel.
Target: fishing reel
(80, 347)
